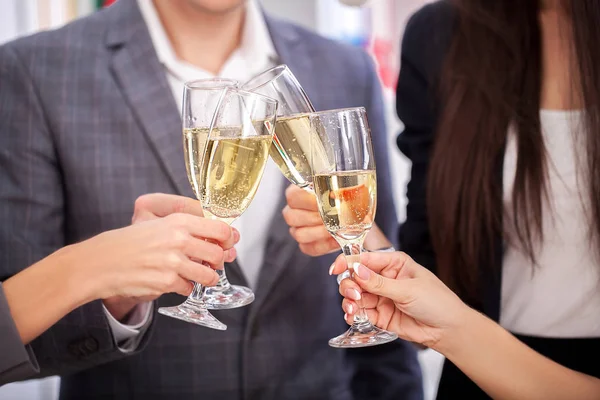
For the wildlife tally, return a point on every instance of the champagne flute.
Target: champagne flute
(201, 100)
(345, 184)
(291, 141)
(236, 154)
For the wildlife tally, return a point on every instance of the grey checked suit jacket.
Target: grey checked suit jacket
(87, 124)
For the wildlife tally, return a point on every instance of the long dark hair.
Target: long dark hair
(492, 79)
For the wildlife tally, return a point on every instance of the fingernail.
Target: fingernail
(353, 294)
(345, 317)
(236, 235)
(363, 272)
(331, 269)
(350, 309)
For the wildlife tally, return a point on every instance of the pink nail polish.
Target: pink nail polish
(363, 272)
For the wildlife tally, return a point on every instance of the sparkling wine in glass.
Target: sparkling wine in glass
(345, 183)
(291, 141)
(201, 101)
(235, 156)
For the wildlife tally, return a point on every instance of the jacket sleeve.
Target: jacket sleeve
(388, 371)
(415, 104)
(17, 361)
(32, 219)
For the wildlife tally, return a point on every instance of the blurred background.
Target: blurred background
(377, 28)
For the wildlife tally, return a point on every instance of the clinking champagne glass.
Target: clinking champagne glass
(236, 153)
(291, 140)
(345, 183)
(201, 101)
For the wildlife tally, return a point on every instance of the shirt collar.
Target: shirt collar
(256, 47)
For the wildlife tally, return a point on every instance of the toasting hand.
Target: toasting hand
(307, 228)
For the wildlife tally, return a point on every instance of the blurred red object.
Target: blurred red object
(107, 3)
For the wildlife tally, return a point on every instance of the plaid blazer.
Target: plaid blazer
(87, 124)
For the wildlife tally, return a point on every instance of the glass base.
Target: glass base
(193, 313)
(227, 297)
(362, 335)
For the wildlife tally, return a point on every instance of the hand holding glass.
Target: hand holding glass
(345, 183)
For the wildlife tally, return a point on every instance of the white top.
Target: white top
(255, 54)
(559, 297)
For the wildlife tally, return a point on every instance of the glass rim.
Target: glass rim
(283, 68)
(266, 99)
(337, 111)
(216, 86)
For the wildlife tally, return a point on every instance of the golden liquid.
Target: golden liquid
(291, 148)
(194, 143)
(230, 174)
(347, 202)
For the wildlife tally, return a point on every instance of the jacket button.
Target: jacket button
(83, 348)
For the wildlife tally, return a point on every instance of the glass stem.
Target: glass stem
(196, 295)
(223, 282)
(352, 253)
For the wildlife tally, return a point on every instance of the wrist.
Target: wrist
(76, 274)
(455, 338)
(120, 307)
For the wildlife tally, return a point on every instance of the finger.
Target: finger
(300, 199)
(350, 289)
(339, 265)
(310, 234)
(371, 314)
(161, 205)
(204, 228)
(236, 235)
(377, 261)
(398, 290)
(203, 251)
(320, 248)
(183, 287)
(298, 218)
(196, 272)
(230, 255)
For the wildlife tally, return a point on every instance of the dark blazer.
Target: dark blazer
(88, 123)
(16, 360)
(426, 41)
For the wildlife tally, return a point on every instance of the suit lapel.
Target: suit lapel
(282, 251)
(142, 80)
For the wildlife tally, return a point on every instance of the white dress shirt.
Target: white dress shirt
(559, 297)
(255, 54)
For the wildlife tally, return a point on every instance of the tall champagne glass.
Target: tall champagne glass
(345, 184)
(233, 164)
(201, 101)
(291, 140)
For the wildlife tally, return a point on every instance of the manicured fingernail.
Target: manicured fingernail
(350, 309)
(363, 272)
(331, 269)
(345, 317)
(353, 294)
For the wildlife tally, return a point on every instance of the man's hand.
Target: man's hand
(307, 228)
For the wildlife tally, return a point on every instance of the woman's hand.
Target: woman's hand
(307, 228)
(163, 251)
(401, 296)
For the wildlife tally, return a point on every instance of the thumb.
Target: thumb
(395, 290)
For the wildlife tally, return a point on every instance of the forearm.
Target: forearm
(42, 294)
(505, 368)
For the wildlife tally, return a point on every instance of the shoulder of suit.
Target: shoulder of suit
(85, 33)
(316, 42)
(427, 36)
